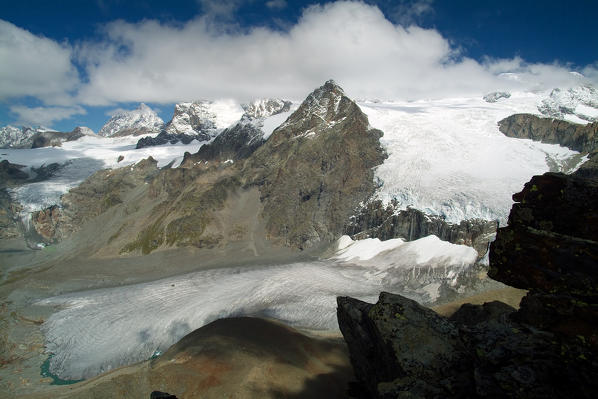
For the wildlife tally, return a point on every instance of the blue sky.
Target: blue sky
(68, 63)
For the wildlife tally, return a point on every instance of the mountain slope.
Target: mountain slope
(316, 168)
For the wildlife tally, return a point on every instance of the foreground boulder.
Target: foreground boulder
(546, 349)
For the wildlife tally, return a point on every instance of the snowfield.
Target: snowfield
(448, 158)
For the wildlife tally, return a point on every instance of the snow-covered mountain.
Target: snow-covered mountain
(577, 104)
(142, 120)
(14, 137)
(204, 118)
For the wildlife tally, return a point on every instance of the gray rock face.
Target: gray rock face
(377, 221)
(495, 96)
(166, 138)
(583, 138)
(397, 346)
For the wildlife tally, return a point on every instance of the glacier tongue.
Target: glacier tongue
(98, 330)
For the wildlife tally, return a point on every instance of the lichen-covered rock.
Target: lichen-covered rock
(397, 346)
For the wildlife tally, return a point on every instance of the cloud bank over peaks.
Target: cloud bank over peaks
(35, 66)
(352, 42)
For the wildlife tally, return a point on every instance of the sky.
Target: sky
(66, 63)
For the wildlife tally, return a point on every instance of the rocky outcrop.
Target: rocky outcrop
(545, 349)
(582, 138)
(10, 175)
(551, 248)
(375, 220)
(55, 139)
(166, 138)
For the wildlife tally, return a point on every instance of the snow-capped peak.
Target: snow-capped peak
(204, 117)
(143, 117)
(577, 104)
(263, 108)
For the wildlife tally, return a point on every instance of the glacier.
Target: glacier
(448, 158)
(95, 331)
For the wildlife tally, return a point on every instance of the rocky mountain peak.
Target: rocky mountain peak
(143, 119)
(203, 118)
(322, 109)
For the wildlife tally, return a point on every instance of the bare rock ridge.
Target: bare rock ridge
(545, 349)
(242, 139)
(377, 220)
(309, 175)
(582, 138)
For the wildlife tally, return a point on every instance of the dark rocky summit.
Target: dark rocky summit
(545, 349)
(316, 168)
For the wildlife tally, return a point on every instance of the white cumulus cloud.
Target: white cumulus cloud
(351, 42)
(35, 66)
(45, 116)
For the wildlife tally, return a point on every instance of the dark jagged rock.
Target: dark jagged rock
(54, 139)
(385, 222)
(234, 143)
(170, 138)
(583, 138)
(545, 349)
(11, 173)
(398, 345)
(551, 248)
(316, 168)
(161, 395)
